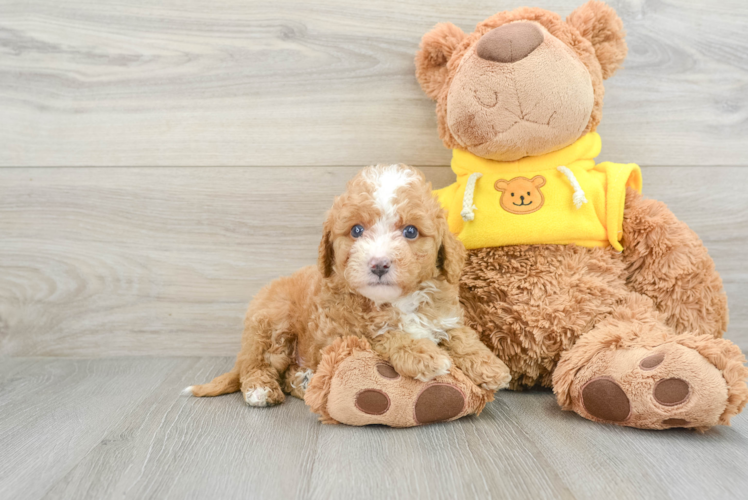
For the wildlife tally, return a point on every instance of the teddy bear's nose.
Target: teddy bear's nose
(510, 43)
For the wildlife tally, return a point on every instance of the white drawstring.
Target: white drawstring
(578, 198)
(467, 200)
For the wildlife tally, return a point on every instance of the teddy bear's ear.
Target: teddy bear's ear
(538, 181)
(437, 47)
(599, 23)
(501, 185)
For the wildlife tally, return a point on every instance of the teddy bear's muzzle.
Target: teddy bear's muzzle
(510, 43)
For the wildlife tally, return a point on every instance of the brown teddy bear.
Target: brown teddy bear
(573, 278)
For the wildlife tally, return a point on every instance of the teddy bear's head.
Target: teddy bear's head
(525, 82)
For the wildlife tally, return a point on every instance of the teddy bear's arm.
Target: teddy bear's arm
(667, 262)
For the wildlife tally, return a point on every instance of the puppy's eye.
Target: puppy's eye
(410, 232)
(357, 231)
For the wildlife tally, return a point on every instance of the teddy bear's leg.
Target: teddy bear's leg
(353, 385)
(632, 369)
(667, 262)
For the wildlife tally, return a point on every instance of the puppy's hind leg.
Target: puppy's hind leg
(258, 377)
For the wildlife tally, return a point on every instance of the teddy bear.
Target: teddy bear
(575, 280)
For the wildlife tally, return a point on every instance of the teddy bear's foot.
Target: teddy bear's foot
(354, 386)
(685, 381)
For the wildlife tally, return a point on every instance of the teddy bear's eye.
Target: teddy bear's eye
(528, 193)
(512, 194)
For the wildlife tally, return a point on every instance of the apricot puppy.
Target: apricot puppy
(388, 270)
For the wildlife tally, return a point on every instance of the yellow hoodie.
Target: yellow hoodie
(557, 198)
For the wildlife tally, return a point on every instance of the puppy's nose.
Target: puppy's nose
(380, 267)
(510, 43)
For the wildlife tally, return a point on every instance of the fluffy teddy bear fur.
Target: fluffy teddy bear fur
(570, 317)
(593, 31)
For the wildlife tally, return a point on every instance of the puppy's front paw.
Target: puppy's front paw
(423, 366)
(496, 378)
(440, 366)
(488, 372)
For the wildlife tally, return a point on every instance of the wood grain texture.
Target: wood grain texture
(117, 428)
(619, 462)
(169, 446)
(53, 412)
(163, 261)
(248, 83)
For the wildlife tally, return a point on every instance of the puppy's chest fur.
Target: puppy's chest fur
(418, 316)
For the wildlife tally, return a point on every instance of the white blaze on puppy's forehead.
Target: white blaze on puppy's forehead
(385, 182)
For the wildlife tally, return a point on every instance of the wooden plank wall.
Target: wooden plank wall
(162, 162)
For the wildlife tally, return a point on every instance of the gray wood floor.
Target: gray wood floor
(114, 428)
(161, 161)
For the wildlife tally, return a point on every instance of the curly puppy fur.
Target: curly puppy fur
(375, 282)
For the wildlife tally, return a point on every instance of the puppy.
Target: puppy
(388, 270)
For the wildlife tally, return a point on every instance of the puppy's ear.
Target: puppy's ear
(599, 23)
(437, 47)
(452, 255)
(326, 253)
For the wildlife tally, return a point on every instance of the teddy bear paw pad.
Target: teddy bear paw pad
(652, 362)
(372, 402)
(387, 371)
(671, 392)
(439, 402)
(603, 398)
(675, 422)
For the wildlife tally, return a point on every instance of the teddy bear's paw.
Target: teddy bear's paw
(671, 385)
(365, 390)
(399, 401)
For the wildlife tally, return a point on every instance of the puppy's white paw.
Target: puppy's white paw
(187, 391)
(257, 396)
